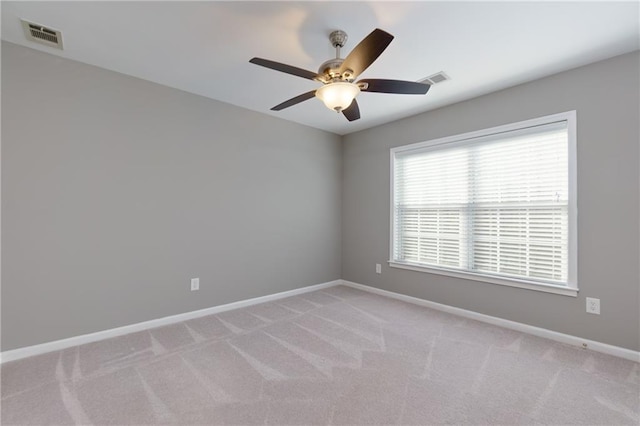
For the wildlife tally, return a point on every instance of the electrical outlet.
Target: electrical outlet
(195, 284)
(593, 305)
(378, 268)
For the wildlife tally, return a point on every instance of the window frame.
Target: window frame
(571, 289)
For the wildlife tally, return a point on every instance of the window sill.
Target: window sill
(529, 285)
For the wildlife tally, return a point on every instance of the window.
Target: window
(497, 205)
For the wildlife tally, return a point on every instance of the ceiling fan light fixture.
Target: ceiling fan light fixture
(337, 76)
(339, 95)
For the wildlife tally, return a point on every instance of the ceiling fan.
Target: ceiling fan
(338, 90)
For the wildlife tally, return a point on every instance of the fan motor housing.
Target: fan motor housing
(331, 67)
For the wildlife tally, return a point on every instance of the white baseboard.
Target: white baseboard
(28, 351)
(56, 345)
(536, 331)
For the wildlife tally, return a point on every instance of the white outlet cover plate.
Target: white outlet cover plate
(195, 284)
(593, 305)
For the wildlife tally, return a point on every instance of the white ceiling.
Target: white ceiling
(204, 47)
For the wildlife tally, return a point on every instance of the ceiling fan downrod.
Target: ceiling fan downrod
(331, 67)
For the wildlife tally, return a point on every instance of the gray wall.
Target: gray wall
(606, 97)
(117, 191)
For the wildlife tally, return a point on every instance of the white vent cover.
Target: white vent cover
(436, 78)
(41, 34)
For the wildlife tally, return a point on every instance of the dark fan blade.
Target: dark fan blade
(366, 52)
(352, 112)
(395, 86)
(293, 101)
(285, 68)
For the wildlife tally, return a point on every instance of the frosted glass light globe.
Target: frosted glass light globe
(338, 96)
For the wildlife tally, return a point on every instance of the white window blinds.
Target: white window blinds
(496, 204)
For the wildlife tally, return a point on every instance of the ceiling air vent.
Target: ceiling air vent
(436, 78)
(41, 34)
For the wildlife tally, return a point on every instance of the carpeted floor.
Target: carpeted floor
(336, 356)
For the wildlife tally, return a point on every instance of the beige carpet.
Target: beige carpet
(337, 356)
